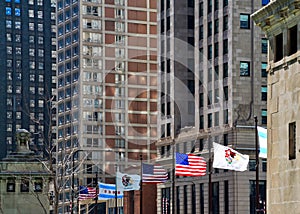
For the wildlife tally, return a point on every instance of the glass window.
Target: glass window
(11, 186)
(264, 45)
(245, 21)
(31, 39)
(225, 23)
(40, 14)
(40, 40)
(40, 27)
(264, 2)
(264, 114)
(18, 25)
(31, 2)
(39, 2)
(18, 50)
(8, 37)
(8, 23)
(31, 26)
(264, 93)
(244, 68)
(38, 185)
(9, 63)
(31, 52)
(18, 38)
(9, 50)
(17, 12)
(24, 185)
(8, 11)
(264, 69)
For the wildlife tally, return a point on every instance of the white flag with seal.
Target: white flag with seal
(262, 139)
(227, 158)
(127, 182)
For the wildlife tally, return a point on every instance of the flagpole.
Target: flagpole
(116, 192)
(141, 189)
(209, 178)
(173, 178)
(257, 169)
(96, 199)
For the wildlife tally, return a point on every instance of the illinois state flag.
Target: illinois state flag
(127, 182)
(190, 165)
(227, 158)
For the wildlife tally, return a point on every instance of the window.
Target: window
(264, 69)
(264, 45)
(252, 165)
(11, 185)
(216, 119)
(8, 11)
(24, 185)
(278, 47)
(292, 140)
(226, 197)
(292, 40)
(209, 120)
(244, 68)
(209, 28)
(216, 4)
(225, 23)
(8, 23)
(17, 12)
(264, 114)
(244, 21)
(209, 51)
(216, 27)
(215, 198)
(264, 94)
(225, 46)
(264, 2)
(17, 25)
(209, 6)
(38, 185)
(216, 49)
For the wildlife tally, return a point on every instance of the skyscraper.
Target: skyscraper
(107, 99)
(27, 65)
(212, 82)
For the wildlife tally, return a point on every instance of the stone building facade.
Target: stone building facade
(24, 180)
(280, 21)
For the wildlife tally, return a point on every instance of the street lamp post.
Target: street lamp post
(73, 170)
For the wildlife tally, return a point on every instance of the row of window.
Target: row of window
(37, 185)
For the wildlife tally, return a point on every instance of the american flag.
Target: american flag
(190, 165)
(165, 205)
(87, 193)
(154, 174)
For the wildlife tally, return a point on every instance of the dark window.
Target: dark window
(209, 26)
(24, 185)
(201, 198)
(216, 50)
(201, 32)
(225, 3)
(278, 47)
(262, 195)
(264, 93)
(244, 68)
(162, 5)
(191, 22)
(209, 120)
(264, 2)
(225, 139)
(264, 69)
(215, 198)
(185, 205)
(252, 165)
(201, 122)
(201, 9)
(209, 51)
(264, 116)
(191, 41)
(209, 6)
(162, 25)
(264, 165)
(225, 90)
(201, 100)
(178, 199)
(226, 116)
(225, 46)
(226, 198)
(191, 86)
(193, 199)
(225, 70)
(244, 21)
(225, 23)
(11, 186)
(169, 129)
(292, 40)
(165, 200)
(168, 23)
(191, 3)
(216, 27)
(216, 4)
(264, 45)
(38, 185)
(201, 144)
(292, 141)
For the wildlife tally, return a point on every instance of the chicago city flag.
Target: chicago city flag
(227, 158)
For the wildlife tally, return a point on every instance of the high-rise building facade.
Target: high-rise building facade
(212, 82)
(106, 89)
(280, 22)
(27, 64)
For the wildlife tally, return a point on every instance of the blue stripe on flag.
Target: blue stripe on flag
(103, 186)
